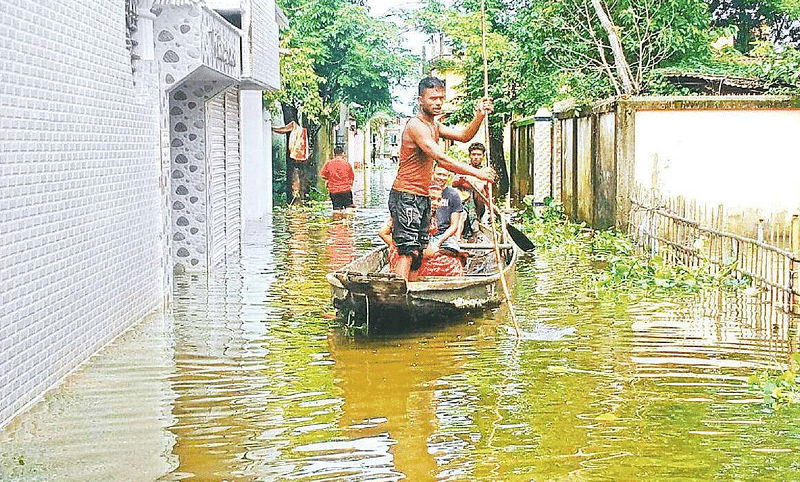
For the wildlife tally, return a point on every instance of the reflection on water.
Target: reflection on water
(245, 379)
(339, 245)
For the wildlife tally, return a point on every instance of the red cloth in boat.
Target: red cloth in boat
(437, 265)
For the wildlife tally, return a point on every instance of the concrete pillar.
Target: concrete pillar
(794, 276)
(144, 33)
(256, 173)
(266, 156)
(625, 128)
(542, 155)
(557, 159)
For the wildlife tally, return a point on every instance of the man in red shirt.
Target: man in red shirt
(409, 204)
(338, 173)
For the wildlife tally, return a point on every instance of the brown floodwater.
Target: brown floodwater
(247, 378)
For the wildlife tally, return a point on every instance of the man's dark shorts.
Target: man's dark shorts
(411, 217)
(342, 200)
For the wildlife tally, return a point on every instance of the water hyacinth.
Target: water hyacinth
(779, 389)
(623, 270)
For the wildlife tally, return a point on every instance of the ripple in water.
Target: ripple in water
(246, 379)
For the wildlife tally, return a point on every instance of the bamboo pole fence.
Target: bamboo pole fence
(692, 234)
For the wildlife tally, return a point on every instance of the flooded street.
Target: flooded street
(247, 379)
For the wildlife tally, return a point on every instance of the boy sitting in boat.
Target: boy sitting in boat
(435, 261)
(469, 187)
(448, 215)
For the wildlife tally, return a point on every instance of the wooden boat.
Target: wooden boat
(367, 296)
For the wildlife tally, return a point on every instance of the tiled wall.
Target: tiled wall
(80, 196)
(264, 43)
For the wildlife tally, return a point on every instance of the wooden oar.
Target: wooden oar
(491, 205)
(522, 241)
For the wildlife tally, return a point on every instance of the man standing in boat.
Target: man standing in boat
(409, 204)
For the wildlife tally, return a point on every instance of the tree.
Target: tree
(622, 68)
(772, 20)
(570, 35)
(462, 27)
(334, 53)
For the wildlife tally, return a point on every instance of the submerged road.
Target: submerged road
(246, 379)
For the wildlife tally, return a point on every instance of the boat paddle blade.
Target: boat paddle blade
(519, 238)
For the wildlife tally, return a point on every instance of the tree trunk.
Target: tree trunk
(312, 165)
(324, 150)
(621, 64)
(498, 161)
(302, 175)
(743, 36)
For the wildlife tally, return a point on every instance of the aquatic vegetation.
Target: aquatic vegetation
(623, 270)
(315, 209)
(779, 389)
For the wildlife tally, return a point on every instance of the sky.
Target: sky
(406, 96)
(380, 7)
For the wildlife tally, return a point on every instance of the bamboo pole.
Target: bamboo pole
(491, 204)
(500, 265)
(793, 270)
(364, 160)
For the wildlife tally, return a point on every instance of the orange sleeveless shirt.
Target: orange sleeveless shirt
(415, 172)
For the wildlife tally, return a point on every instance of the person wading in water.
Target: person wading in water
(409, 205)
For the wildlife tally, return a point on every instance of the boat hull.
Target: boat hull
(378, 302)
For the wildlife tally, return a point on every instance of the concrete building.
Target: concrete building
(132, 144)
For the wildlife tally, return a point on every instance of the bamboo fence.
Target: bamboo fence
(692, 234)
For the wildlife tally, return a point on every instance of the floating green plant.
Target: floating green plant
(778, 389)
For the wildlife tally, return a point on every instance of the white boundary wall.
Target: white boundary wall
(80, 200)
(744, 159)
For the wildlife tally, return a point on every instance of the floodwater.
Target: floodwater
(246, 379)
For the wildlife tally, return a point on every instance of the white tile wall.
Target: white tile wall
(264, 44)
(80, 201)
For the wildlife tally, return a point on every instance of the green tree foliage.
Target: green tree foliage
(564, 36)
(754, 20)
(300, 83)
(543, 51)
(333, 53)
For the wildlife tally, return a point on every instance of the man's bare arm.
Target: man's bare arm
(422, 137)
(283, 130)
(385, 232)
(465, 134)
(455, 220)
